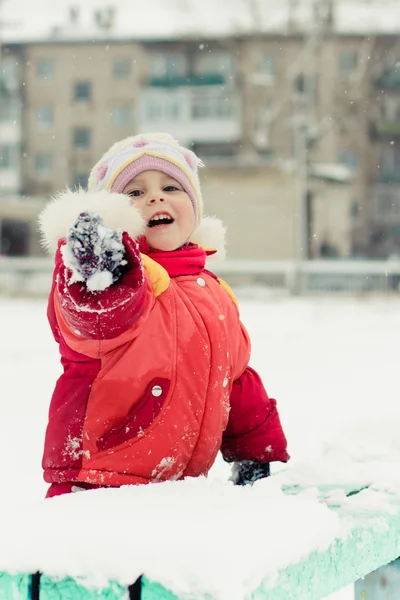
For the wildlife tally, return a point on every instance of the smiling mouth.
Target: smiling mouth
(159, 220)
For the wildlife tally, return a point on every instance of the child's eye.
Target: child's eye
(135, 193)
(170, 188)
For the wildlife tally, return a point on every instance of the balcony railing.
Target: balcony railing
(171, 81)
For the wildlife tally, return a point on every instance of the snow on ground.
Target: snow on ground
(331, 363)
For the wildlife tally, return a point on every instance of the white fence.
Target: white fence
(32, 276)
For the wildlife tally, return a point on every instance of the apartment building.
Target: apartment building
(10, 123)
(385, 156)
(14, 232)
(293, 124)
(79, 99)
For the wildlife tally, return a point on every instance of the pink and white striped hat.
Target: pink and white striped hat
(149, 152)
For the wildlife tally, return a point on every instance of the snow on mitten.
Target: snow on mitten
(249, 471)
(94, 253)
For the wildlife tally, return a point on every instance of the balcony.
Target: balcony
(389, 177)
(389, 80)
(385, 129)
(205, 115)
(173, 81)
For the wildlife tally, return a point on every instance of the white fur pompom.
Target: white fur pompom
(63, 210)
(210, 234)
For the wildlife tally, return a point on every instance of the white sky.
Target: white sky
(24, 19)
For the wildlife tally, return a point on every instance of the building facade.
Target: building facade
(14, 232)
(294, 125)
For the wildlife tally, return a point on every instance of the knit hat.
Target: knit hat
(149, 152)
(125, 160)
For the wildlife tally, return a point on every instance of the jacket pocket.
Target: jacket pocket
(140, 417)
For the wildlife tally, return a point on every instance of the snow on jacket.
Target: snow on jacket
(156, 378)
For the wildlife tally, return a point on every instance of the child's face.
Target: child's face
(158, 195)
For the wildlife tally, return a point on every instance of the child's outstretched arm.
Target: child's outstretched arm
(254, 436)
(101, 290)
(99, 287)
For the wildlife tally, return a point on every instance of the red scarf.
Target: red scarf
(190, 259)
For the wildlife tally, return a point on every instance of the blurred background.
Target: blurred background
(294, 106)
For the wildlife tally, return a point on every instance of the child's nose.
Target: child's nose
(156, 197)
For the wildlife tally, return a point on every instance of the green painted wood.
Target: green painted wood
(323, 573)
(14, 587)
(70, 589)
(154, 591)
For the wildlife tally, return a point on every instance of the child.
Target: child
(156, 378)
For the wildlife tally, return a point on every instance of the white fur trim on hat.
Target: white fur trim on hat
(63, 210)
(210, 234)
(118, 213)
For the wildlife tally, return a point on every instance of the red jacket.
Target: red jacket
(156, 378)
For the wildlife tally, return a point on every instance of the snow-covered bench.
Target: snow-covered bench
(360, 532)
(311, 579)
(302, 534)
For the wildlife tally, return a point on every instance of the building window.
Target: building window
(267, 65)
(9, 71)
(82, 91)
(348, 157)
(81, 137)
(5, 157)
(348, 62)
(43, 164)
(167, 65)
(328, 250)
(390, 108)
(80, 180)
(390, 159)
(209, 107)
(14, 237)
(304, 84)
(122, 116)
(44, 116)
(211, 63)
(9, 155)
(154, 111)
(354, 211)
(165, 108)
(121, 67)
(45, 68)
(8, 110)
(387, 204)
(173, 110)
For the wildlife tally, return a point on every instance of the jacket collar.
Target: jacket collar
(188, 260)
